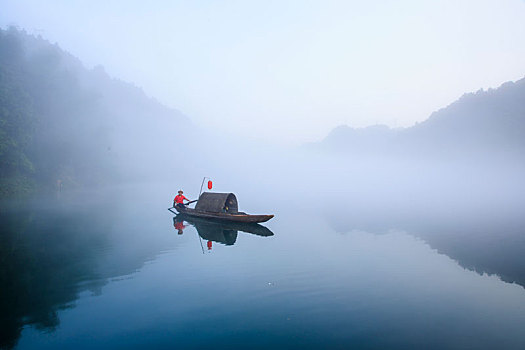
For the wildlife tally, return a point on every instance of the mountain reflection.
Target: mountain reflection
(220, 232)
(487, 245)
(46, 256)
(51, 250)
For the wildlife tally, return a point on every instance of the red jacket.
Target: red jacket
(180, 198)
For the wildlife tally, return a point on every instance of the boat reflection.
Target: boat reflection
(220, 232)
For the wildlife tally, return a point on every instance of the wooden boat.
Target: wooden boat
(220, 206)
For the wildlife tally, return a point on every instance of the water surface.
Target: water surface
(115, 270)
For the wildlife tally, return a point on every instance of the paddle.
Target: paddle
(193, 201)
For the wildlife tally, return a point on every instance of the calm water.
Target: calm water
(114, 270)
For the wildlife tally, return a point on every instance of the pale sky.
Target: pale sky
(290, 71)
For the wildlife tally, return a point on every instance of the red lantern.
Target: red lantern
(209, 185)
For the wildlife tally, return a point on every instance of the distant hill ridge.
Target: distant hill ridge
(477, 124)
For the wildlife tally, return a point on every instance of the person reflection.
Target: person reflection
(179, 225)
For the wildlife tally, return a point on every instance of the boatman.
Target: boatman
(179, 200)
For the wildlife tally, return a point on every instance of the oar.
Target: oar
(184, 204)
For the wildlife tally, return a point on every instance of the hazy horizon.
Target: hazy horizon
(376, 237)
(288, 73)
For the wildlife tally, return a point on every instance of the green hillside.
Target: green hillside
(62, 125)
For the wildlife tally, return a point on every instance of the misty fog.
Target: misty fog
(384, 235)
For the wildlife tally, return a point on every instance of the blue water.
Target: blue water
(110, 270)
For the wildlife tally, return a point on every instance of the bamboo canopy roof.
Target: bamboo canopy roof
(217, 203)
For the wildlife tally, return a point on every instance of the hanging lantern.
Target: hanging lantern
(210, 184)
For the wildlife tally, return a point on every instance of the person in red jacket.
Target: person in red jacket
(179, 200)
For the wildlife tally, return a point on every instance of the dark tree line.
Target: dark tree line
(52, 130)
(63, 124)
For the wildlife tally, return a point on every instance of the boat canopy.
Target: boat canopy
(217, 203)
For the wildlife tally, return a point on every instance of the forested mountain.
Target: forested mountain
(483, 124)
(64, 125)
